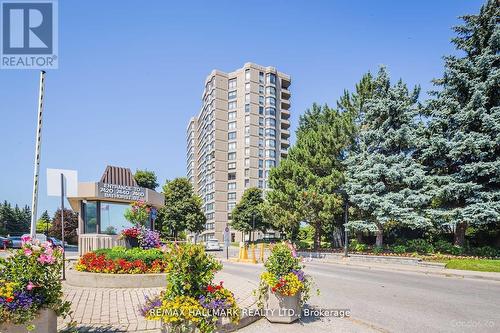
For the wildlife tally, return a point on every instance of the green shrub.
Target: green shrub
(486, 251)
(119, 252)
(378, 249)
(420, 246)
(281, 261)
(189, 269)
(303, 245)
(443, 246)
(356, 246)
(457, 250)
(399, 249)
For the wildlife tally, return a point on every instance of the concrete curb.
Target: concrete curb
(102, 280)
(443, 273)
(244, 321)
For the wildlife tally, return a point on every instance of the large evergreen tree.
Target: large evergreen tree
(183, 209)
(21, 221)
(43, 224)
(383, 181)
(304, 184)
(462, 146)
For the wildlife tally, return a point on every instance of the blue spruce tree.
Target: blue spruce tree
(384, 182)
(462, 145)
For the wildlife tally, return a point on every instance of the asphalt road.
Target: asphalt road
(391, 301)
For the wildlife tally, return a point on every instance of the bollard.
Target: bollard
(254, 260)
(261, 254)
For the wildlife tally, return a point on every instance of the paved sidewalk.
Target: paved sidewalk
(116, 309)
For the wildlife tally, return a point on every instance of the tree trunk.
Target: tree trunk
(460, 233)
(359, 236)
(317, 236)
(337, 237)
(380, 237)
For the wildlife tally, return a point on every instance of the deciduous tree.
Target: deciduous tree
(147, 179)
(248, 212)
(183, 209)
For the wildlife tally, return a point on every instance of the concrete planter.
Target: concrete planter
(45, 322)
(103, 280)
(282, 309)
(167, 328)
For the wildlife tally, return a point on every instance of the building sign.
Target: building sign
(121, 192)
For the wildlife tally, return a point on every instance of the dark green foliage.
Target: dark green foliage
(14, 221)
(248, 212)
(281, 261)
(190, 270)
(183, 209)
(486, 251)
(118, 252)
(303, 185)
(420, 246)
(385, 184)
(460, 146)
(399, 249)
(442, 246)
(147, 179)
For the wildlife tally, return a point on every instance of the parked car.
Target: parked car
(41, 237)
(212, 245)
(16, 242)
(5, 242)
(56, 242)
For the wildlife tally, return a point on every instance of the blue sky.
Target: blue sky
(131, 73)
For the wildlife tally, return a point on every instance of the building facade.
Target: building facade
(101, 207)
(240, 133)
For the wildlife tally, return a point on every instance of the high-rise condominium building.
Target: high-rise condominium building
(240, 133)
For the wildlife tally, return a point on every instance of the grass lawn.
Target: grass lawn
(483, 265)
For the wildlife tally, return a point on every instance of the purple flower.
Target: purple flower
(151, 304)
(149, 239)
(299, 273)
(22, 300)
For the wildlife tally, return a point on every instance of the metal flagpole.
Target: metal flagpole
(62, 229)
(34, 199)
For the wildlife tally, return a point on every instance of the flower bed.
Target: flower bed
(119, 260)
(191, 302)
(30, 282)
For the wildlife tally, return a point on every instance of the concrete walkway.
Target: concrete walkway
(116, 309)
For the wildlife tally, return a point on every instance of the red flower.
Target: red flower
(9, 299)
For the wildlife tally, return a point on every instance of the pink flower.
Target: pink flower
(26, 239)
(30, 286)
(27, 251)
(46, 259)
